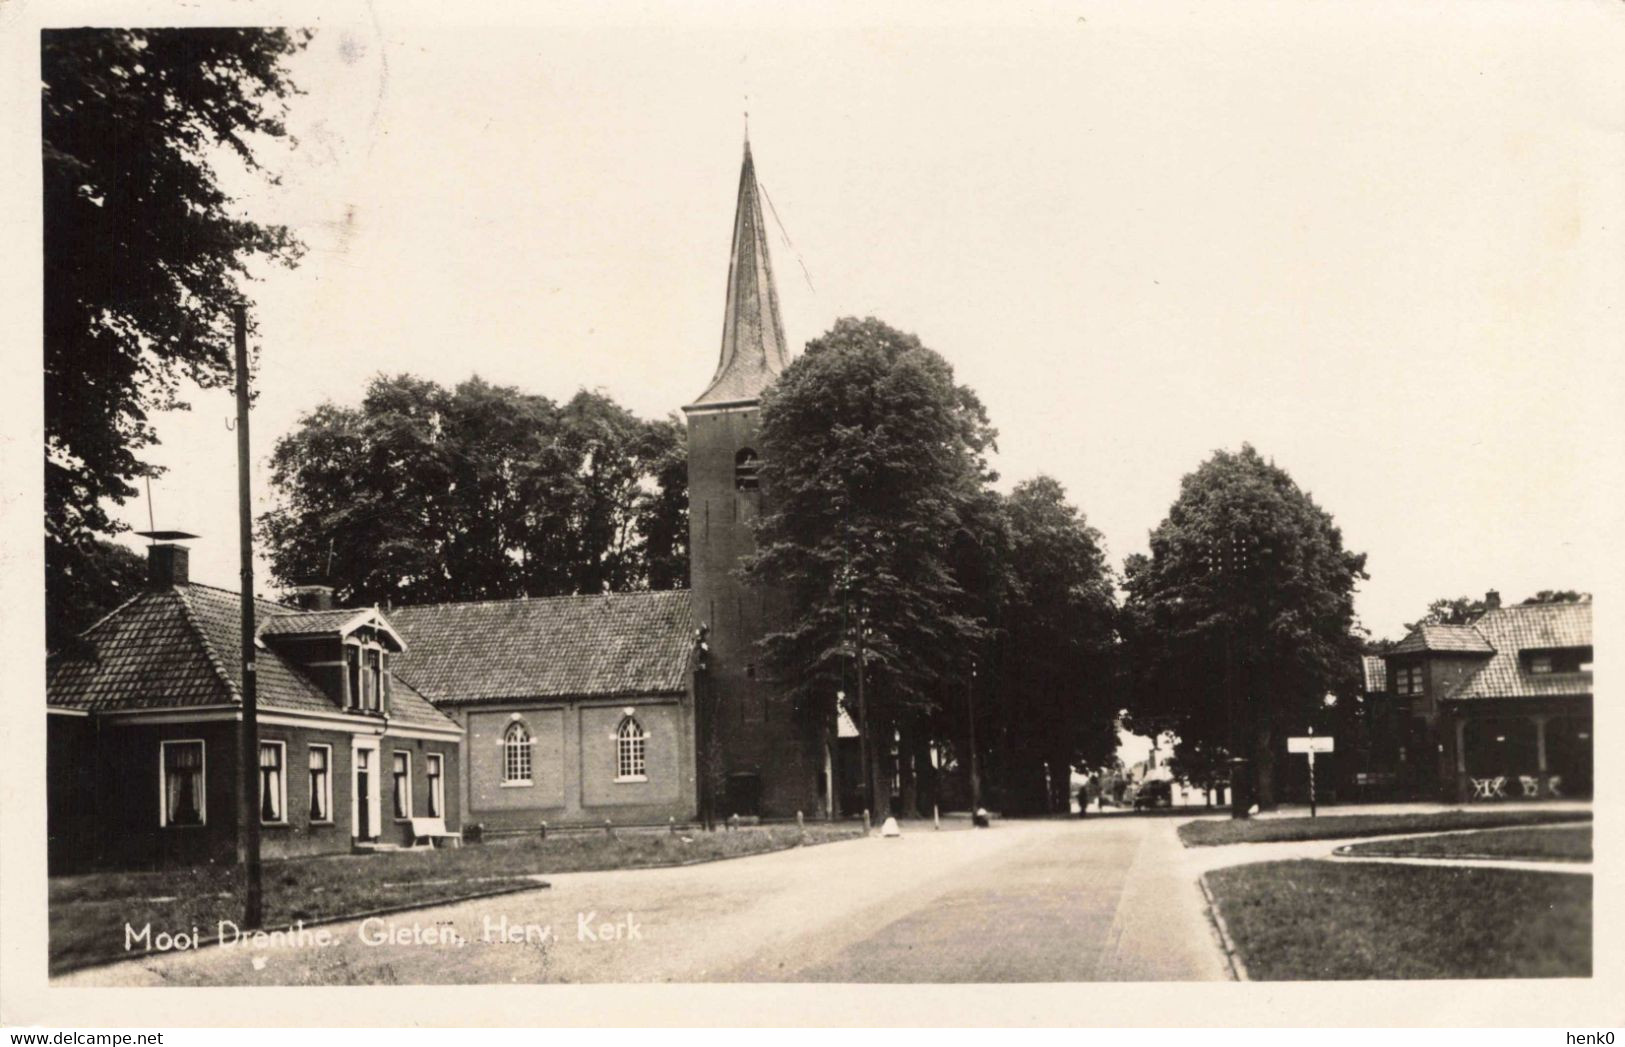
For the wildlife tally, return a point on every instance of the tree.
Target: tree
(1557, 596)
(1054, 645)
(142, 255)
(872, 455)
(107, 574)
(1246, 603)
(1450, 611)
(424, 494)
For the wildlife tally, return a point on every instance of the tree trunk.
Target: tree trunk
(907, 771)
(1264, 766)
(880, 767)
(925, 774)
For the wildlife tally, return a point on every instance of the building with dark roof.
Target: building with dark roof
(144, 739)
(577, 709)
(574, 709)
(1496, 708)
(772, 758)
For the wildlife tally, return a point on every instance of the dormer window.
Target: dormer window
(1540, 664)
(746, 463)
(364, 668)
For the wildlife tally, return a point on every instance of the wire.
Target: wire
(787, 242)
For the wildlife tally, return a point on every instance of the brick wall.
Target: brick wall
(758, 732)
(573, 767)
(114, 818)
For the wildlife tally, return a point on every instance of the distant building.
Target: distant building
(1498, 708)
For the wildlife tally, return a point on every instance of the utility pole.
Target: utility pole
(702, 726)
(865, 748)
(975, 761)
(249, 798)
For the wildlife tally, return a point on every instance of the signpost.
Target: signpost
(1309, 745)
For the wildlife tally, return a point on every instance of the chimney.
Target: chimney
(167, 565)
(1492, 600)
(311, 597)
(167, 562)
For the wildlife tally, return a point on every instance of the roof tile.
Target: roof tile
(1528, 627)
(178, 647)
(558, 647)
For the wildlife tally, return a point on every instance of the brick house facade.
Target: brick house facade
(143, 757)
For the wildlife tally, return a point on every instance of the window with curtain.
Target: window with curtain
(403, 785)
(437, 794)
(629, 753)
(321, 783)
(272, 783)
(352, 673)
(516, 754)
(373, 677)
(182, 764)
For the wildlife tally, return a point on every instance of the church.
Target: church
(644, 707)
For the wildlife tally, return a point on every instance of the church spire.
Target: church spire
(753, 351)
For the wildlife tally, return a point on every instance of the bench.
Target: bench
(428, 830)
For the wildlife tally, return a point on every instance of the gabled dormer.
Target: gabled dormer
(346, 652)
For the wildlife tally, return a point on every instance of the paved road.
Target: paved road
(1095, 900)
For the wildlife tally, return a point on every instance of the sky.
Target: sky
(1378, 242)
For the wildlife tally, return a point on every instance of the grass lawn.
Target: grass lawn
(1312, 919)
(1217, 831)
(1568, 844)
(88, 913)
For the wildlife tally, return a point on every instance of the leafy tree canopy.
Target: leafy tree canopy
(427, 494)
(1053, 648)
(1248, 594)
(143, 255)
(873, 458)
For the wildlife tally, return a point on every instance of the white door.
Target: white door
(364, 774)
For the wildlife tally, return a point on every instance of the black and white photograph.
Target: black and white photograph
(816, 498)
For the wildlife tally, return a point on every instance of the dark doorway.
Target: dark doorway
(744, 794)
(363, 791)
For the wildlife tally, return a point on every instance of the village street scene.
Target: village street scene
(1013, 593)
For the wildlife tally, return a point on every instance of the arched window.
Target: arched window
(516, 754)
(629, 742)
(745, 465)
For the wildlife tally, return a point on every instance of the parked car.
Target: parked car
(1159, 793)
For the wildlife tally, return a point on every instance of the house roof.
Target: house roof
(1376, 673)
(336, 621)
(1447, 639)
(608, 645)
(753, 348)
(1528, 627)
(178, 647)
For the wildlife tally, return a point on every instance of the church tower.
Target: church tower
(764, 758)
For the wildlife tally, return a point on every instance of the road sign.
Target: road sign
(1309, 745)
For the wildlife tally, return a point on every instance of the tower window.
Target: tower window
(745, 465)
